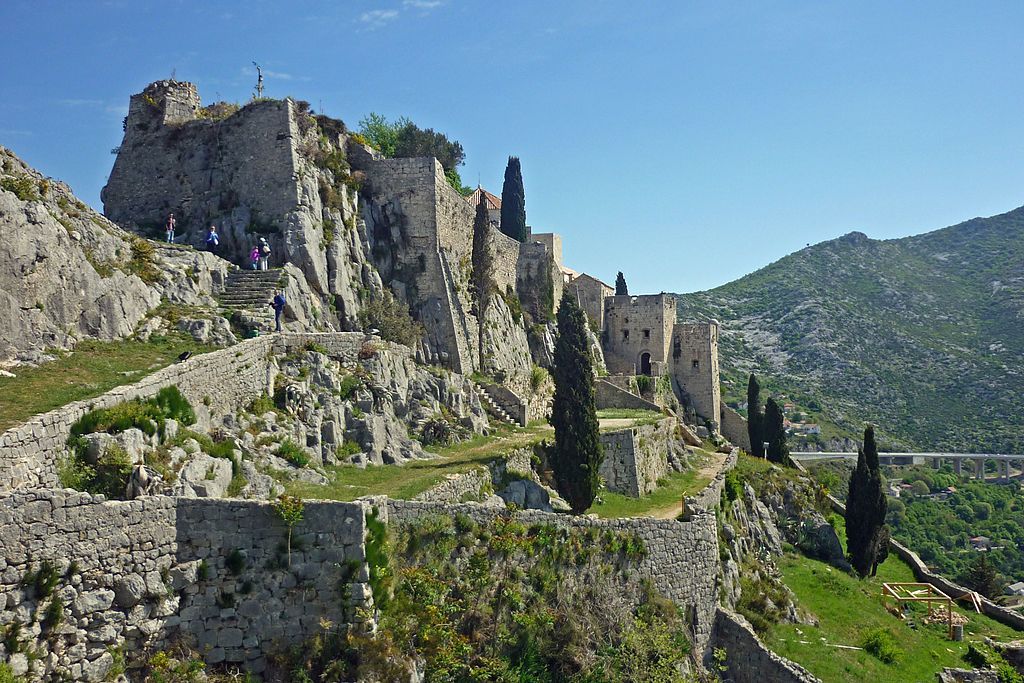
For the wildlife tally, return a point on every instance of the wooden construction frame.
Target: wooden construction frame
(919, 592)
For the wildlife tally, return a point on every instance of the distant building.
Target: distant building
(981, 543)
(1015, 588)
(492, 201)
(591, 293)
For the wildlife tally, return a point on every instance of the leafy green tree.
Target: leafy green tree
(774, 432)
(513, 201)
(391, 319)
(289, 509)
(865, 507)
(982, 577)
(620, 285)
(755, 417)
(577, 451)
(381, 133)
(482, 280)
(414, 141)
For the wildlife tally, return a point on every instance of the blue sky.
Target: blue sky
(685, 143)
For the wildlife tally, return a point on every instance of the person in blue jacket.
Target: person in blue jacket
(278, 305)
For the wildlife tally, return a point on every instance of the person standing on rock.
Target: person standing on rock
(254, 257)
(264, 253)
(212, 239)
(170, 229)
(278, 305)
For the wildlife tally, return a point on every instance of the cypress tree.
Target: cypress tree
(755, 417)
(982, 577)
(482, 280)
(620, 285)
(513, 202)
(865, 508)
(577, 452)
(773, 431)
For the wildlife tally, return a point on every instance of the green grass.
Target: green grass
(639, 417)
(667, 496)
(848, 608)
(406, 481)
(93, 368)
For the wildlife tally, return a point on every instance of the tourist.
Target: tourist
(264, 253)
(170, 229)
(212, 239)
(254, 257)
(278, 305)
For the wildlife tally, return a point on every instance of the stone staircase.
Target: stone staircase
(250, 292)
(492, 406)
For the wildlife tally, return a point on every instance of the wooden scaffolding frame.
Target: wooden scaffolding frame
(918, 592)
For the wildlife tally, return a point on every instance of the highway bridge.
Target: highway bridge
(1002, 460)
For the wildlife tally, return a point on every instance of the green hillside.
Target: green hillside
(923, 336)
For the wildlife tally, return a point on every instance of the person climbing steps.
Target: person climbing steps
(279, 309)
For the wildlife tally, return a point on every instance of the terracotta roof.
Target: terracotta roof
(493, 202)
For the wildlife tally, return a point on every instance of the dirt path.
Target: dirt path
(709, 470)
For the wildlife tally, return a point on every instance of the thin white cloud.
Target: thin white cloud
(8, 132)
(378, 17)
(72, 102)
(422, 4)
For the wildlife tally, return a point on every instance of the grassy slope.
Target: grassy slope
(921, 335)
(406, 481)
(847, 608)
(668, 496)
(93, 368)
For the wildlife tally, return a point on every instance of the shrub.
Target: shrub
(23, 187)
(235, 562)
(537, 377)
(392, 319)
(289, 509)
(73, 472)
(293, 453)
(733, 485)
(262, 405)
(146, 415)
(880, 643)
(348, 386)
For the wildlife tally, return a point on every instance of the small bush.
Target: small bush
(347, 450)
(881, 644)
(349, 385)
(392, 319)
(43, 580)
(537, 377)
(23, 187)
(235, 562)
(262, 405)
(293, 453)
(146, 415)
(733, 485)
(54, 615)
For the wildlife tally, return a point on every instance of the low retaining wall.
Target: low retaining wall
(609, 395)
(747, 658)
(711, 495)
(635, 458)
(133, 575)
(215, 383)
(681, 559)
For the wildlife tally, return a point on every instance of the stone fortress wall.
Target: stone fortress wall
(635, 325)
(227, 380)
(695, 367)
(637, 457)
(140, 574)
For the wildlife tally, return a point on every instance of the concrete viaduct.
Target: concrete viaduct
(1002, 460)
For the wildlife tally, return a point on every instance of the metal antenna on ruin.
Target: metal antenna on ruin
(174, 72)
(259, 81)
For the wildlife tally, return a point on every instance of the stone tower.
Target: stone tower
(695, 368)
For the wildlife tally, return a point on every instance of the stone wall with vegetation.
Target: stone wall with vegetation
(86, 584)
(215, 383)
(734, 428)
(637, 457)
(680, 558)
(747, 660)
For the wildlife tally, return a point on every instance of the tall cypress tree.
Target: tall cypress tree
(755, 417)
(865, 508)
(620, 285)
(774, 432)
(577, 452)
(513, 202)
(482, 280)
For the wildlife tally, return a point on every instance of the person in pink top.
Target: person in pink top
(254, 257)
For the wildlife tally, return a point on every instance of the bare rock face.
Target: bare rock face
(65, 272)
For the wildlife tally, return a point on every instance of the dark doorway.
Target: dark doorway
(645, 364)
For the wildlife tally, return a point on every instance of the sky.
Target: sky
(684, 143)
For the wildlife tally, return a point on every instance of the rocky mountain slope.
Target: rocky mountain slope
(922, 335)
(68, 273)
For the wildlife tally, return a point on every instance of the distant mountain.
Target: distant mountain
(923, 336)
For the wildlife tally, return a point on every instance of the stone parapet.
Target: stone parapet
(747, 658)
(637, 457)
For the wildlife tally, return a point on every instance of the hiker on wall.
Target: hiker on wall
(278, 305)
(169, 227)
(264, 253)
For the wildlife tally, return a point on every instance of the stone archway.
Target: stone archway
(645, 363)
